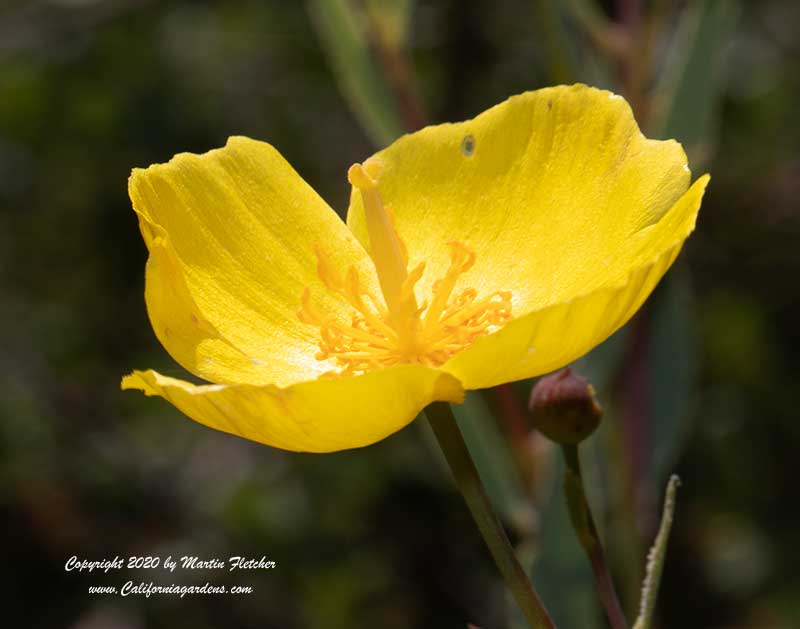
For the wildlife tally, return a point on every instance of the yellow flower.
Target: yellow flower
(474, 254)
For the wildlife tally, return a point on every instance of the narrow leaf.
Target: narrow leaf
(655, 559)
(341, 30)
(690, 88)
(672, 367)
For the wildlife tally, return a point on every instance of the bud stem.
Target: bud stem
(441, 419)
(582, 521)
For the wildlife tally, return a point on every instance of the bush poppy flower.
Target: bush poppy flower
(475, 253)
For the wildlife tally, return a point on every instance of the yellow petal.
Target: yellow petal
(552, 337)
(231, 237)
(317, 416)
(547, 188)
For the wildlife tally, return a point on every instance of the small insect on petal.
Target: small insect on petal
(468, 145)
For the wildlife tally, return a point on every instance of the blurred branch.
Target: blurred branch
(555, 42)
(635, 63)
(609, 37)
(391, 18)
(388, 21)
(343, 33)
(629, 12)
(654, 26)
(787, 46)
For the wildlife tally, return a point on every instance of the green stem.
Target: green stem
(441, 418)
(583, 522)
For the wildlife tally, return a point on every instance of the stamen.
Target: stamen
(396, 329)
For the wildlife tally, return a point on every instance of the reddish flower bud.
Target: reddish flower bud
(564, 407)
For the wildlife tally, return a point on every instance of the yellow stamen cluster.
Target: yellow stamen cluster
(395, 329)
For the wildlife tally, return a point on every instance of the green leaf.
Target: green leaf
(672, 366)
(690, 88)
(601, 366)
(656, 558)
(342, 31)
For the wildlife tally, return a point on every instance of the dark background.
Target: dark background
(703, 381)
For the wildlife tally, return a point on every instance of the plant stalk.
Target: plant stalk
(444, 425)
(583, 522)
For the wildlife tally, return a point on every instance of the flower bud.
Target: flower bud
(564, 407)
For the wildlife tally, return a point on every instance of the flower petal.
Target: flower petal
(317, 416)
(547, 188)
(554, 336)
(231, 236)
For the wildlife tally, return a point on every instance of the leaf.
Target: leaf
(602, 364)
(690, 88)
(656, 558)
(341, 29)
(672, 366)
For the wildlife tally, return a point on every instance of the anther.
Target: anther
(398, 329)
(365, 176)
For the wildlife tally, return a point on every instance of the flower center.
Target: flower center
(398, 329)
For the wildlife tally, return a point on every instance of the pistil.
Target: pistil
(396, 329)
(386, 249)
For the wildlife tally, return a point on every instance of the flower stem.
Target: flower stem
(441, 419)
(583, 522)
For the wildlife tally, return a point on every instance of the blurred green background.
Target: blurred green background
(702, 382)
